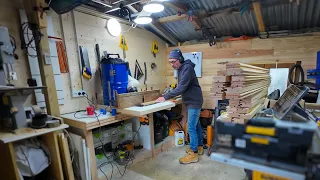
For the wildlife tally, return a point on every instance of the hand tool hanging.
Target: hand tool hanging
(137, 71)
(145, 76)
(98, 61)
(123, 45)
(155, 48)
(86, 69)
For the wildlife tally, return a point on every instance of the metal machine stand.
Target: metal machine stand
(12, 114)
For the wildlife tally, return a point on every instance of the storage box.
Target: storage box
(269, 147)
(233, 129)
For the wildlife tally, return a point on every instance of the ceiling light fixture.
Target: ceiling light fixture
(154, 7)
(114, 27)
(143, 20)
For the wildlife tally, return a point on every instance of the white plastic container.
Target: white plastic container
(179, 138)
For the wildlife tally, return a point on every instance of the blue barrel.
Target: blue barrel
(115, 73)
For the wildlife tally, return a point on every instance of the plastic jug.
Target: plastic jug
(179, 138)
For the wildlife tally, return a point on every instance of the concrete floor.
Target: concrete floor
(166, 166)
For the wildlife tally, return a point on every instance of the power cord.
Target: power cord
(14, 46)
(27, 42)
(104, 152)
(130, 159)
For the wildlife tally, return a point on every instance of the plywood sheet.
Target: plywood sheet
(140, 111)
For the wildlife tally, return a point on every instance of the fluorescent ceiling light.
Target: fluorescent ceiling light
(153, 7)
(113, 27)
(143, 20)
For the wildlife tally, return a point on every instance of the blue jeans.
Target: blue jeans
(194, 129)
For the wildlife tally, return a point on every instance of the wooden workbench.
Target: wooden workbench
(83, 125)
(8, 166)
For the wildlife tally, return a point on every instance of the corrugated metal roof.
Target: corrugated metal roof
(233, 24)
(182, 30)
(211, 5)
(292, 16)
(284, 16)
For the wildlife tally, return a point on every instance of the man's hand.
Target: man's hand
(161, 99)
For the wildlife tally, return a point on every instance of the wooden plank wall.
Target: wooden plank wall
(92, 30)
(255, 51)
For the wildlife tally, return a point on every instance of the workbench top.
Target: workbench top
(83, 121)
(25, 133)
(140, 111)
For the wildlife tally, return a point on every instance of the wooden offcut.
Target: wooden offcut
(65, 156)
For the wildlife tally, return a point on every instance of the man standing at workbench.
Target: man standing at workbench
(189, 88)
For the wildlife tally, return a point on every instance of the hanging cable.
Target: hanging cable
(28, 31)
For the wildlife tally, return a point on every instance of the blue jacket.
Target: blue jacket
(188, 86)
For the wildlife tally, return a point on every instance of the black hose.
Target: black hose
(124, 11)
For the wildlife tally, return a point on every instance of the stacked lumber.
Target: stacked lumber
(219, 84)
(247, 92)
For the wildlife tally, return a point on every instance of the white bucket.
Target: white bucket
(179, 138)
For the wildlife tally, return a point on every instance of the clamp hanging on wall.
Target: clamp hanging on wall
(155, 48)
(123, 45)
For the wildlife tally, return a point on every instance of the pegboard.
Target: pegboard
(196, 58)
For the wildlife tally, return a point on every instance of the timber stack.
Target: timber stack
(219, 84)
(247, 92)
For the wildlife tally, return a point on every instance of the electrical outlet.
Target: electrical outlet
(78, 93)
(13, 76)
(47, 58)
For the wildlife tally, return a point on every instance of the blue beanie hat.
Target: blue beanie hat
(176, 54)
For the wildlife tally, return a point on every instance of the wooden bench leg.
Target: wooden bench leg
(8, 166)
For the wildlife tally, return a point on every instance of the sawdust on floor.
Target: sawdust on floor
(166, 166)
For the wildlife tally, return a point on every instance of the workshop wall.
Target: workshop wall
(255, 51)
(90, 31)
(10, 18)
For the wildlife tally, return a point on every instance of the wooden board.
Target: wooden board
(90, 145)
(8, 166)
(249, 78)
(221, 78)
(241, 65)
(140, 111)
(26, 133)
(55, 168)
(133, 99)
(65, 156)
(240, 71)
(247, 88)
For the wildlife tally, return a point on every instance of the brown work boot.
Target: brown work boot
(200, 150)
(191, 157)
